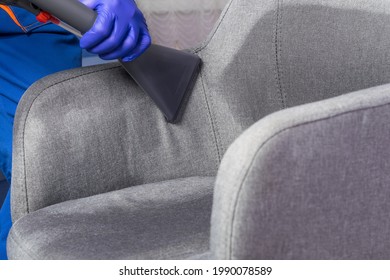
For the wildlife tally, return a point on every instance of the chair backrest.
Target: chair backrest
(264, 56)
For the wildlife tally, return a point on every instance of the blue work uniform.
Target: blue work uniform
(29, 50)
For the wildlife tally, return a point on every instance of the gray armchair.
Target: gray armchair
(99, 174)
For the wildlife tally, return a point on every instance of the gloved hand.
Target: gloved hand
(120, 30)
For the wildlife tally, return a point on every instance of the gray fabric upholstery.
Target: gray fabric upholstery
(268, 55)
(310, 182)
(90, 131)
(167, 220)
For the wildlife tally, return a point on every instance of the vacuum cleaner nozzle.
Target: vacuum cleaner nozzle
(167, 75)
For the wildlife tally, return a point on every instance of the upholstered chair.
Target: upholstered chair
(282, 151)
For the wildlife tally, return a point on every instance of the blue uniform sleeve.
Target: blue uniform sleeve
(25, 58)
(46, 49)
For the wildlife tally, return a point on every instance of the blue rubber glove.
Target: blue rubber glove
(120, 30)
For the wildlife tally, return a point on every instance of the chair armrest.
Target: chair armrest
(309, 182)
(92, 130)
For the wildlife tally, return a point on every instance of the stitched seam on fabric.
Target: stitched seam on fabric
(278, 51)
(20, 246)
(250, 166)
(218, 138)
(209, 101)
(204, 45)
(26, 117)
(211, 120)
(277, 16)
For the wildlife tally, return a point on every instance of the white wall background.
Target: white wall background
(181, 23)
(178, 24)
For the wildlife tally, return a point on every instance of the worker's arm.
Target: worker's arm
(120, 30)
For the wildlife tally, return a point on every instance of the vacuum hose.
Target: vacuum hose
(72, 12)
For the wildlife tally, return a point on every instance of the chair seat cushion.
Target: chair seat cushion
(166, 220)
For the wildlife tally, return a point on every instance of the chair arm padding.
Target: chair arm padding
(310, 182)
(92, 130)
